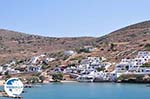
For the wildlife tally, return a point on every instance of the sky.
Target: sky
(71, 18)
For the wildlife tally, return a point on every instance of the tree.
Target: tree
(112, 46)
(57, 77)
(33, 80)
(147, 47)
(100, 69)
(7, 75)
(42, 78)
(146, 65)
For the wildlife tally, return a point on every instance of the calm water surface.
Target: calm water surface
(88, 91)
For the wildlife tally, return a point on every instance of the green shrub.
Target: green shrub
(57, 76)
(33, 79)
(147, 47)
(42, 78)
(146, 65)
(100, 69)
(82, 50)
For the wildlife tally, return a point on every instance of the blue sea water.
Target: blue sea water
(88, 91)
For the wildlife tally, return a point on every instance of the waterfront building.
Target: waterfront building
(134, 66)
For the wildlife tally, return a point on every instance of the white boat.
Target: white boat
(85, 78)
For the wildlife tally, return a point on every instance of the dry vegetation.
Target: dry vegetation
(119, 44)
(15, 45)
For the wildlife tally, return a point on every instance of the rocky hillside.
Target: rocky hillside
(15, 45)
(123, 43)
(129, 33)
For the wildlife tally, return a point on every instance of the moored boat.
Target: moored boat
(85, 78)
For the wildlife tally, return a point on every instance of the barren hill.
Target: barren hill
(123, 43)
(15, 45)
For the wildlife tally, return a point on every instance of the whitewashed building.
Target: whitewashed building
(89, 48)
(145, 55)
(69, 52)
(134, 66)
(143, 70)
(47, 60)
(1, 69)
(13, 71)
(34, 68)
(90, 63)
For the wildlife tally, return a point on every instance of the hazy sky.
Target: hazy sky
(63, 18)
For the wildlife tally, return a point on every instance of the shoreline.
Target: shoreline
(67, 81)
(73, 81)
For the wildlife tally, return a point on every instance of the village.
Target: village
(89, 69)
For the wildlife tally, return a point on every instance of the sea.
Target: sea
(75, 90)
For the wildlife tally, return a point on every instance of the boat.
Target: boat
(85, 78)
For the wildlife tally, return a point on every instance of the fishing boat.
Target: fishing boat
(85, 78)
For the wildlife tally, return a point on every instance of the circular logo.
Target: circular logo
(13, 87)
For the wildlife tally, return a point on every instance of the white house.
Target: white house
(89, 48)
(133, 66)
(144, 54)
(34, 68)
(106, 65)
(13, 71)
(143, 70)
(69, 52)
(47, 60)
(1, 69)
(122, 67)
(140, 61)
(126, 65)
(37, 59)
(34, 60)
(91, 64)
(71, 69)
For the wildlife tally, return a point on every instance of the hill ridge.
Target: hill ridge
(126, 42)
